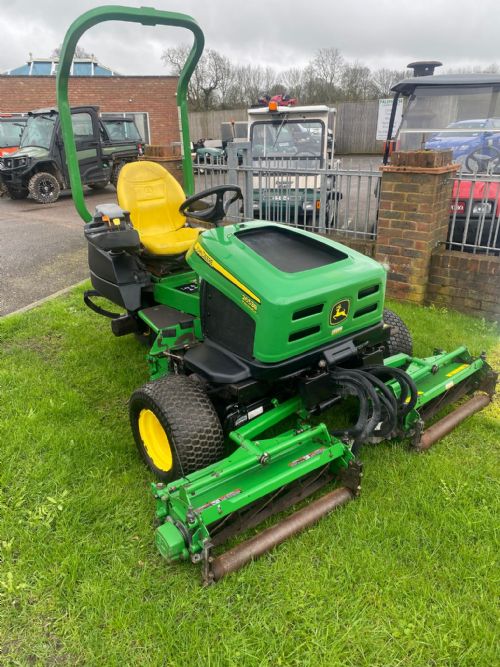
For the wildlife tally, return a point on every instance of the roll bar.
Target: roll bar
(145, 16)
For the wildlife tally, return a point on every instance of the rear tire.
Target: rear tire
(44, 188)
(116, 173)
(175, 427)
(400, 339)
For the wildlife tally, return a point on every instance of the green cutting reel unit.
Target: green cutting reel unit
(255, 329)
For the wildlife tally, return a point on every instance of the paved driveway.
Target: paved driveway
(42, 249)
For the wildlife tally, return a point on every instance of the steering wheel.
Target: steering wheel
(483, 159)
(216, 212)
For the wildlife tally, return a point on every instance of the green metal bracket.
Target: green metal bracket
(145, 16)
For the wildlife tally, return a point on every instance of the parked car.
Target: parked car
(39, 169)
(467, 139)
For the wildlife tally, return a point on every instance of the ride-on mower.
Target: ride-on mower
(255, 330)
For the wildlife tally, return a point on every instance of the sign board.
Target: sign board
(384, 114)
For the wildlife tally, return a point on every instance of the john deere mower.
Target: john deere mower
(255, 330)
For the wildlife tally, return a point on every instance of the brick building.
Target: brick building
(149, 99)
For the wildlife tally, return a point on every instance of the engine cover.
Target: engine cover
(296, 290)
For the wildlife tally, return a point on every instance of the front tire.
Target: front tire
(44, 188)
(175, 427)
(400, 339)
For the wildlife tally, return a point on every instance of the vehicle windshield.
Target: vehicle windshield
(282, 138)
(10, 133)
(121, 130)
(449, 111)
(38, 132)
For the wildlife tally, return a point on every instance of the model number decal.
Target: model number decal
(306, 457)
(249, 302)
(231, 494)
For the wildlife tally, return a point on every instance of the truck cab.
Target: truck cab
(39, 169)
(295, 142)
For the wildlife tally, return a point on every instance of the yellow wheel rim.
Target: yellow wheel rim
(155, 440)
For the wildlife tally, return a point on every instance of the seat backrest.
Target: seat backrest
(152, 196)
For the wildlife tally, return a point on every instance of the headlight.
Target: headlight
(308, 206)
(21, 162)
(484, 208)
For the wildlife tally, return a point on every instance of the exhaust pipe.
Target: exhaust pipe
(451, 421)
(243, 553)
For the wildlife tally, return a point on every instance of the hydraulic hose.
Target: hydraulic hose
(380, 410)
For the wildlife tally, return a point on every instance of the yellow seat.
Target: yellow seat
(153, 197)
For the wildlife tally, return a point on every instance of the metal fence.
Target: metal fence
(345, 200)
(297, 192)
(475, 214)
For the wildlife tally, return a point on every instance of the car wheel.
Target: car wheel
(44, 188)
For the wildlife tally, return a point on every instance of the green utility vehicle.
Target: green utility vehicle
(39, 168)
(255, 330)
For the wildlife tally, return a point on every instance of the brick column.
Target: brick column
(414, 212)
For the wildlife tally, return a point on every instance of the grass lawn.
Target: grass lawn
(406, 575)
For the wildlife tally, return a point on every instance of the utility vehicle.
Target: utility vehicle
(298, 141)
(11, 129)
(39, 169)
(461, 113)
(255, 330)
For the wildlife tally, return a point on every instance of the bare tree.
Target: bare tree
(357, 83)
(211, 75)
(383, 79)
(79, 52)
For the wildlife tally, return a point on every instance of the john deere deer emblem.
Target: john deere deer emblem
(339, 312)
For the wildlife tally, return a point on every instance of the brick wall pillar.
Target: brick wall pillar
(414, 213)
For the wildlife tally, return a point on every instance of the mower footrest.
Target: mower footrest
(211, 362)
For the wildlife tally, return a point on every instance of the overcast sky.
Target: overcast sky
(380, 33)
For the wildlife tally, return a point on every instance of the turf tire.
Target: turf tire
(189, 420)
(44, 188)
(400, 339)
(115, 175)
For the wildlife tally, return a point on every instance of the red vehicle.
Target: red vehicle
(475, 213)
(281, 100)
(11, 129)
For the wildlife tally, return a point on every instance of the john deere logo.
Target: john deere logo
(339, 312)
